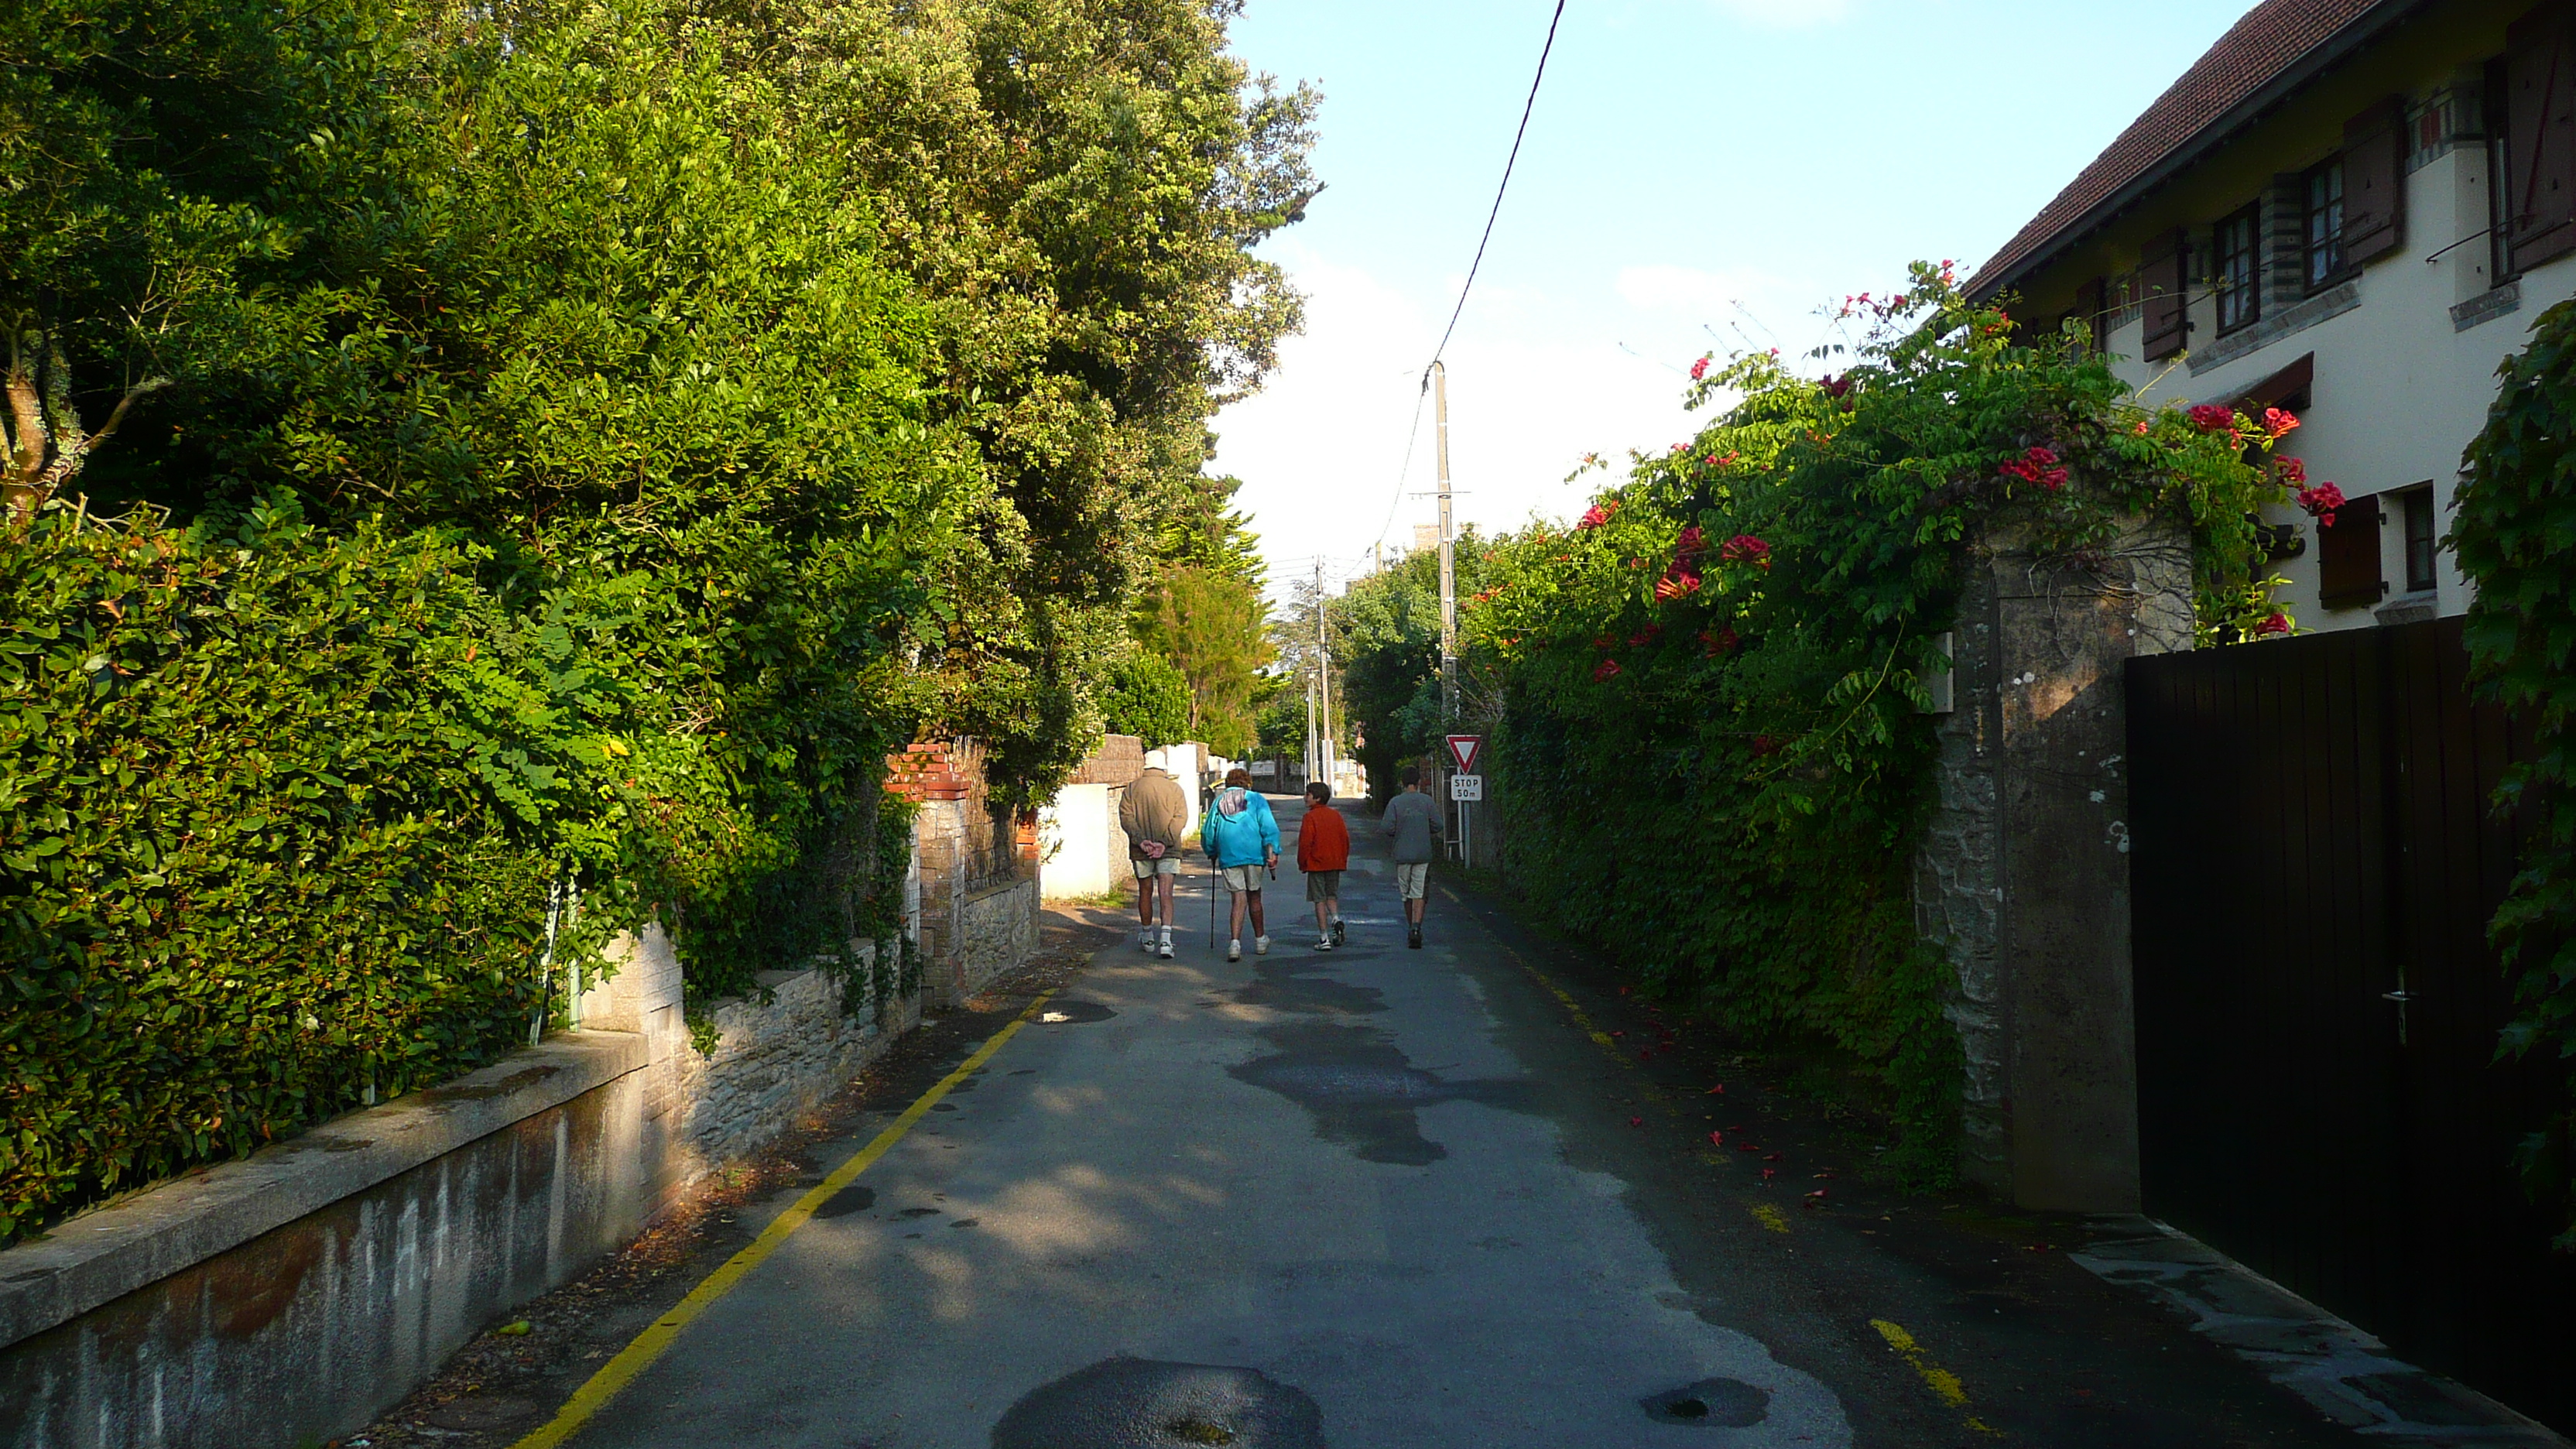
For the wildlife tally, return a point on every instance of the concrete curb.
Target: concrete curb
(122, 1246)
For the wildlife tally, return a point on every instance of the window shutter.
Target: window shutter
(2540, 137)
(2168, 310)
(2348, 556)
(2374, 182)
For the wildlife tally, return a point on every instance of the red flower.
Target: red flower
(1745, 548)
(1721, 642)
(2279, 623)
(2215, 418)
(1605, 643)
(1679, 580)
(1835, 386)
(1645, 636)
(2291, 470)
(2141, 428)
(1699, 369)
(1765, 745)
(1692, 541)
(1598, 514)
(1606, 669)
(2277, 422)
(2039, 465)
(2321, 502)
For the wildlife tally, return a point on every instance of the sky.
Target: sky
(1698, 175)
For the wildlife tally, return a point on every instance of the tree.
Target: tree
(1212, 626)
(1146, 696)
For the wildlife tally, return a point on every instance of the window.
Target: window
(2239, 250)
(2419, 541)
(2325, 223)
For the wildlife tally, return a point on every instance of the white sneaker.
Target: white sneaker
(1261, 945)
(1234, 949)
(1164, 948)
(1145, 940)
(1323, 943)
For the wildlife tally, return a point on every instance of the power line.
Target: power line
(1526, 107)
(1413, 431)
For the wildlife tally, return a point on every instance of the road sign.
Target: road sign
(1464, 749)
(1467, 789)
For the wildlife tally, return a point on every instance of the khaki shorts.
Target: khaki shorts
(1241, 878)
(1323, 885)
(1412, 879)
(1170, 864)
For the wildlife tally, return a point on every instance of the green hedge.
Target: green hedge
(263, 853)
(2515, 534)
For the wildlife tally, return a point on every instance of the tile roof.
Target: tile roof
(2267, 42)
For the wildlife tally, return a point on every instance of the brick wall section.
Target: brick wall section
(1118, 761)
(978, 867)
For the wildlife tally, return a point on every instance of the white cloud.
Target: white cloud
(1667, 288)
(1534, 384)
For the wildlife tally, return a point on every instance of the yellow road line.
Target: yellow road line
(1944, 1384)
(649, 1345)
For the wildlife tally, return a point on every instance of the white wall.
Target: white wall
(2399, 392)
(1073, 843)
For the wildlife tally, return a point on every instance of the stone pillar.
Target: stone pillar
(2023, 877)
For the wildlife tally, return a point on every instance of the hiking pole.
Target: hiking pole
(1216, 874)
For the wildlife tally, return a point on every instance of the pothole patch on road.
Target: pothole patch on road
(1362, 1092)
(1710, 1403)
(1075, 1013)
(856, 1198)
(1138, 1403)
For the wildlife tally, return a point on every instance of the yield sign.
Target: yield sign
(1464, 749)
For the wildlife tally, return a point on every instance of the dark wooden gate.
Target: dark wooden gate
(2314, 866)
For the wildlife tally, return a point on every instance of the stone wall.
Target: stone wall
(977, 866)
(2023, 875)
(288, 1298)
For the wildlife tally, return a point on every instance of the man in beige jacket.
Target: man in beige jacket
(1156, 816)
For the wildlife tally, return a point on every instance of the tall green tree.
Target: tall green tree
(1212, 625)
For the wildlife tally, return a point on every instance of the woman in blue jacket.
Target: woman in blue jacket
(1241, 835)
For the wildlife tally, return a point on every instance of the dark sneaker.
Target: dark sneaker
(1413, 938)
(1339, 938)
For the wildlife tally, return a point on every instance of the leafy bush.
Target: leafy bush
(270, 842)
(2514, 535)
(1703, 700)
(1146, 696)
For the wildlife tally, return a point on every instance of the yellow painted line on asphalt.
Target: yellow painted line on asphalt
(1944, 1384)
(649, 1345)
(1778, 1222)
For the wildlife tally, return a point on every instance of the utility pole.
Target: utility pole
(1448, 563)
(1310, 733)
(1323, 677)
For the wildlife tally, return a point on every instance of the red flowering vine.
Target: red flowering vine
(2322, 502)
(2279, 623)
(1606, 669)
(1692, 541)
(1745, 548)
(1646, 636)
(1679, 580)
(2038, 465)
(1835, 386)
(1721, 642)
(2278, 422)
(1597, 515)
(1699, 369)
(2291, 471)
(2213, 418)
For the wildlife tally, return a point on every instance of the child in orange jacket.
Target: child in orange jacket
(1323, 853)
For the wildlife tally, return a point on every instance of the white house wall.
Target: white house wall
(2400, 390)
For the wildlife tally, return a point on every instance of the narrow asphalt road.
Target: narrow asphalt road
(1391, 1199)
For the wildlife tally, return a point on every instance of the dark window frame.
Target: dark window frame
(2321, 225)
(2237, 268)
(2422, 540)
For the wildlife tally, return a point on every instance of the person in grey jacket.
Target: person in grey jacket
(1156, 817)
(1413, 821)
